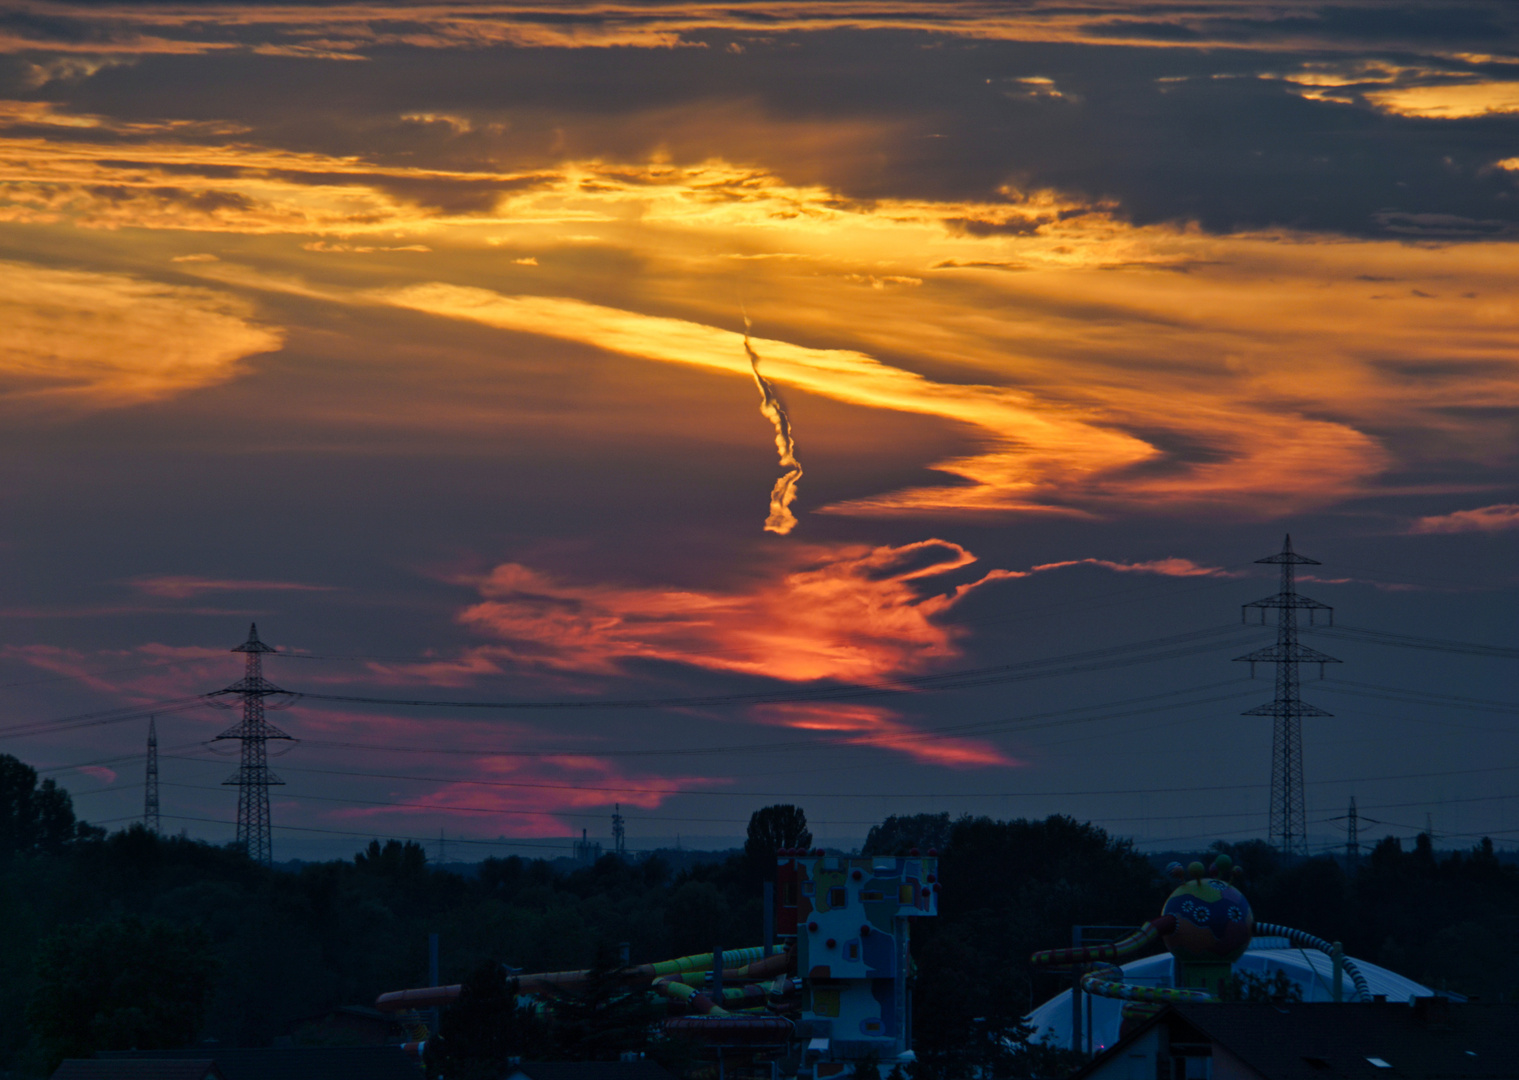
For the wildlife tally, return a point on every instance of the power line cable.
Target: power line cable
(950, 680)
(1417, 697)
(1409, 641)
(885, 741)
(105, 716)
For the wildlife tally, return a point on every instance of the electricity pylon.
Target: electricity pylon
(150, 781)
(1288, 826)
(253, 778)
(1352, 837)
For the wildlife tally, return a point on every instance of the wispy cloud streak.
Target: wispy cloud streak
(783, 494)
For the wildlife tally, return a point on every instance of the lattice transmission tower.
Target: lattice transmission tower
(253, 778)
(1352, 836)
(150, 781)
(1288, 825)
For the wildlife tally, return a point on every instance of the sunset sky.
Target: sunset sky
(638, 352)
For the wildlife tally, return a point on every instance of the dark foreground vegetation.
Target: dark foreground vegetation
(136, 940)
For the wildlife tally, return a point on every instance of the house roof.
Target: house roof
(200, 1068)
(299, 1063)
(1354, 1040)
(642, 1069)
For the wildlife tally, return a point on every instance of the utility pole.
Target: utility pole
(150, 781)
(253, 778)
(619, 834)
(1288, 825)
(1352, 837)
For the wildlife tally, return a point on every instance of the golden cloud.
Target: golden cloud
(1449, 101)
(1037, 448)
(1095, 365)
(92, 340)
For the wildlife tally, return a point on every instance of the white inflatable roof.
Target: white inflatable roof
(1311, 971)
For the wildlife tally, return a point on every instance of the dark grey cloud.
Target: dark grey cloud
(1167, 134)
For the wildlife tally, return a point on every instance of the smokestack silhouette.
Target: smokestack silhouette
(781, 519)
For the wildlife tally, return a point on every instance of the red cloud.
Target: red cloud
(847, 612)
(1172, 567)
(184, 586)
(551, 788)
(870, 725)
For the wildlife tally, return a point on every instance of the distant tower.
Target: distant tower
(1288, 825)
(619, 835)
(253, 777)
(1352, 837)
(586, 850)
(150, 783)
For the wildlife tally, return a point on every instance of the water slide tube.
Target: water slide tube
(1106, 980)
(1108, 952)
(1305, 940)
(740, 966)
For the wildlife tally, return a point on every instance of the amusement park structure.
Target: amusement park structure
(836, 983)
(835, 989)
(1209, 936)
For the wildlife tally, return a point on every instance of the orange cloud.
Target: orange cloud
(80, 339)
(869, 725)
(1497, 518)
(846, 612)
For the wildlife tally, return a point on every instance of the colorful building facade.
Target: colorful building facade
(850, 919)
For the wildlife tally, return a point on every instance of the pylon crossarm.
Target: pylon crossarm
(1293, 654)
(1287, 709)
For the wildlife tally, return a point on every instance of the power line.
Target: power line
(94, 674)
(1074, 663)
(389, 836)
(596, 814)
(1419, 697)
(884, 741)
(884, 796)
(1408, 641)
(105, 716)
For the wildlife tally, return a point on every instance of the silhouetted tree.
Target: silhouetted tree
(606, 1017)
(120, 985)
(896, 834)
(483, 1028)
(35, 818)
(776, 827)
(395, 859)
